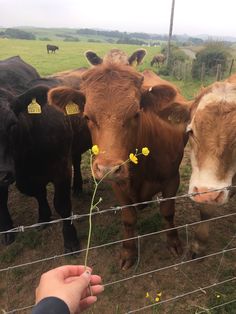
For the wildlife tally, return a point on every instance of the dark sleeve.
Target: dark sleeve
(51, 305)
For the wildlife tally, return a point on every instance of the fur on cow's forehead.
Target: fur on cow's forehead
(106, 75)
(222, 95)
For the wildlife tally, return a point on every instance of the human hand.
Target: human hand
(70, 283)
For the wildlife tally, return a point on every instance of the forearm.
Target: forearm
(51, 305)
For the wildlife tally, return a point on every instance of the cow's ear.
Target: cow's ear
(93, 58)
(137, 57)
(160, 99)
(36, 95)
(68, 100)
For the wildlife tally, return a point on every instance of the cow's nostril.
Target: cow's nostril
(219, 197)
(117, 169)
(195, 189)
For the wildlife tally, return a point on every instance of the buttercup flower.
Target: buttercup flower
(145, 151)
(133, 158)
(157, 299)
(147, 295)
(159, 294)
(95, 150)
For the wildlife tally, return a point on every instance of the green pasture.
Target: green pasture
(69, 56)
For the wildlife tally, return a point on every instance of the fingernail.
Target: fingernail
(87, 272)
(93, 298)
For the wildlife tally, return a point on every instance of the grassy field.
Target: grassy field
(69, 56)
(17, 285)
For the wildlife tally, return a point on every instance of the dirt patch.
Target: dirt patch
(17, 285)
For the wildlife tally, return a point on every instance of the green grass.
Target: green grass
(69, 56)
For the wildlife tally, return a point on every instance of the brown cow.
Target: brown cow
(158, 59)
(122, 117)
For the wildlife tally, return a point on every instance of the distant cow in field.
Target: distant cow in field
(52, 48)
(124, 113)
(158, 59)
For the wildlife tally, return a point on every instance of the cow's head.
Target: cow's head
(212, 134)
(10, 109)
(116, 108)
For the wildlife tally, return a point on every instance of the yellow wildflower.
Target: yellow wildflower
(133, 158)
(157, 299)
(145, 151)
(159, 294)
(147, 295)
(218, 296)
(95, 150)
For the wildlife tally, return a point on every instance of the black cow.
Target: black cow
(52, 48)
(15, 76)
(81, 135)
(39, 144)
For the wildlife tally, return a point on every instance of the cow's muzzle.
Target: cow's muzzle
(110, 171)
(209, 196)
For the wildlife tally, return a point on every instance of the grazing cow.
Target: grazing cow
(15, 75)
(123, 115)
(38, 139)
(212, 134)
(81, 135)
(158, 59)
(52, 48)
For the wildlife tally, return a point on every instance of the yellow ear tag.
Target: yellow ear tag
(34, 107)
(72, 108)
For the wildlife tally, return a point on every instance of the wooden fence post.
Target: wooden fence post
(203, 71)
(231, 67)
(218, 72)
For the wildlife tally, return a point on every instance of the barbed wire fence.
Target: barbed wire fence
(184, 260)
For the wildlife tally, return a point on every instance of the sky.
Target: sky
(193, 17)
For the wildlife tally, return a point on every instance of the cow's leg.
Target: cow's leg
(77, 179)
(5, 218)
(43, 206)
(201, 232)
(167, 209)
(129, 218)
(62, 204)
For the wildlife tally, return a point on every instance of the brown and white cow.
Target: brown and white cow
(212, 137)
(122, 110)
(213, 142)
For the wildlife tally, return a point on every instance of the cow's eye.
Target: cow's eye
(189, 130)
(86, 117)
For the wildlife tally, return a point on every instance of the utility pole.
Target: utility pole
(170, 32)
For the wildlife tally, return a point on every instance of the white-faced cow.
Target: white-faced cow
(212, 136)
(123, 115)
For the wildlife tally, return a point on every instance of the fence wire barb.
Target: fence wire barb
(114, 242)
(111, 209)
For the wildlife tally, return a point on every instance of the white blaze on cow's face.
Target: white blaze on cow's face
(213, 143)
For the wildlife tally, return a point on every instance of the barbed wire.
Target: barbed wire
(116, 242)
(181, 295)
(112, 209)
(139, 237)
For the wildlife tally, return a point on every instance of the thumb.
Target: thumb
(82, 282)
